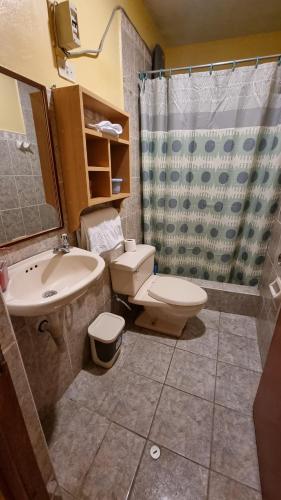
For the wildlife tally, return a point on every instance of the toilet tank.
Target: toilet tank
(131, 269)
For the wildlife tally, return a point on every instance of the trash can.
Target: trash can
(106, 338)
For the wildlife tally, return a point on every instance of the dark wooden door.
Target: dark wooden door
(20, 478)
(267, 419)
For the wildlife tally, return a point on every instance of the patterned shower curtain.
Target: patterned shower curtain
(211, 149)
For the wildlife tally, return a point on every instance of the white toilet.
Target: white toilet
(168, 300)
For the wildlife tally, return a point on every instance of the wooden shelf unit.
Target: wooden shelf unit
(90, 159)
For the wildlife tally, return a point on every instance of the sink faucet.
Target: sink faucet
(64, 247)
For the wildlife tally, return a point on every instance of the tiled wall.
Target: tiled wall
(23, 208)
(229, 298)
(135, 57)
(52, 363)
(270, 307)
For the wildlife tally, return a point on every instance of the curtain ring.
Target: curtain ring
(211, 69)
(160, 74)
(233, 65)
(170, 73)
(279, 61)
(257, 62)
(189, 70)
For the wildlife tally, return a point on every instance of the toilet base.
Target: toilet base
(157, 324)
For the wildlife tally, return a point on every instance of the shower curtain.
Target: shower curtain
(211, 149)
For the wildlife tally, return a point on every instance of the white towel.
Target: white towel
(106, 126)
(101, 230)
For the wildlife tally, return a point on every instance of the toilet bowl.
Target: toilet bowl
(168, 301)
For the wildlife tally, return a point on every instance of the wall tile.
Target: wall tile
(8, 192)
(49, 217)
(5, 160)
(26, 190)
(34, 159)
(30, 415)
(3, 238)
(53, 361)
(39, 189)
(76, 334)
(30, 359)
(268, 313)
(13, 223)
(31, 219)
(7, 336)
(20, 159)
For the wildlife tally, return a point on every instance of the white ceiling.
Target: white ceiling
(189, 21)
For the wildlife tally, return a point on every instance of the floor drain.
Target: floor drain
(49, 293)
(155, 452)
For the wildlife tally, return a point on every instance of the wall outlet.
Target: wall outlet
(66, 70)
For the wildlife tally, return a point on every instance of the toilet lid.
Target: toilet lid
(177, 291)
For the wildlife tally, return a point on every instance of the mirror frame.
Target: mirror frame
(52, 158)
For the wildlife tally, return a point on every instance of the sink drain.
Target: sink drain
(49, 293)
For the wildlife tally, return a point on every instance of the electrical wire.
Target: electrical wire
(89, 52)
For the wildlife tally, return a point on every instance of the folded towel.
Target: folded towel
(106, 126)
(101, 230)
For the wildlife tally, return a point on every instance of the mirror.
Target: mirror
(29, 197)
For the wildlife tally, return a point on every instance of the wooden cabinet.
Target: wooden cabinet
(90, 159)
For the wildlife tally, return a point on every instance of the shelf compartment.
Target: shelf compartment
(98, 169)
(105, 199)
(120, 164)
(99, 184)
(97, 152)
(105, 111)
(95, 133)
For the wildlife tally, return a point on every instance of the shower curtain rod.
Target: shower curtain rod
(143, 74)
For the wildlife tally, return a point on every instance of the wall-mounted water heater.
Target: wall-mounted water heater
(66, 23)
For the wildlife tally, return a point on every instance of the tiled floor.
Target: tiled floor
(193, 397)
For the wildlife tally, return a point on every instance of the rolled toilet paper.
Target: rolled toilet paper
(130, 245)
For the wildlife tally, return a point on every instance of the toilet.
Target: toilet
(168, 301)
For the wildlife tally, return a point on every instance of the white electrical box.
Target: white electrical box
(66, 23)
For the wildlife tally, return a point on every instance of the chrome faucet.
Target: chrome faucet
(64, 247)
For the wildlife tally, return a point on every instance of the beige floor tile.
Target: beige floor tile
(183, 423)
(234, 447)
(112, 472)
(170, 477)
(193, 374)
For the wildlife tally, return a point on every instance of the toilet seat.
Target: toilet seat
(176, 291)
(144, 295)
(180, 300)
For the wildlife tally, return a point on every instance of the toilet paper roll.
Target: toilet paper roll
(130, 245)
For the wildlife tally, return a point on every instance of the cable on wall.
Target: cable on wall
(90, 52)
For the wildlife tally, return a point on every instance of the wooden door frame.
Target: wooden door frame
(267, 420)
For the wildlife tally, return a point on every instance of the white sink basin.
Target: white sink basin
(47, 281)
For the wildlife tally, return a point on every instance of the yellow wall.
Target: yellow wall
(26, 42)
(222, 50)
(11, 117)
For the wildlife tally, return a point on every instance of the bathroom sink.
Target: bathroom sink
(47, 281)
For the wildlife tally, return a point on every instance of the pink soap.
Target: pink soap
(4, 277)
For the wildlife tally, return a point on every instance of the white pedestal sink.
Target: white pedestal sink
(43, 283)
